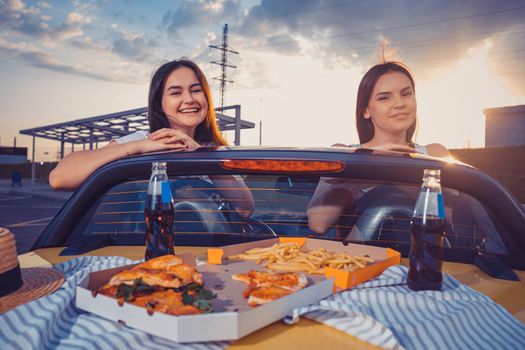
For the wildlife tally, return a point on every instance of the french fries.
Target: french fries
(290, 257)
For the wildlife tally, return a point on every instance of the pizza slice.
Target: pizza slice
(287, 280)
(165, 284)
(167, 301)
(264, 295)
(167, 271)
(161, 262)
(266, 286)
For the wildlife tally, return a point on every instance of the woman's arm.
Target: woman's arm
(74, 168)
(236, 192)
(330, 199)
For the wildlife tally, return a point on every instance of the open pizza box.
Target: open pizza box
(231, 319)
(383, 257)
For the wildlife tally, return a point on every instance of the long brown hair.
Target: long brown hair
(206, 132)
(365, 127)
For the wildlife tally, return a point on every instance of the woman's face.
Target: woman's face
(184, 101)
(392, 106)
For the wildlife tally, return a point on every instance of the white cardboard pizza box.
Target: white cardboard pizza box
(233, 318)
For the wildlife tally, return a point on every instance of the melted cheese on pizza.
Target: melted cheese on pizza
(160, 275)
(266, 286)
(167, 271)
(286, 280)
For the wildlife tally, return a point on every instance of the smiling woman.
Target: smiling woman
(181, 118)
(386, 111)
(386, 120)
(181, 108)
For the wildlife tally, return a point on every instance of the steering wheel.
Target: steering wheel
(371, 223)
(256, 227)
(375, 208)
(205, 217)
(386, 206)
(203, 209)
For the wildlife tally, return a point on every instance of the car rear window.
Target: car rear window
(372, 212)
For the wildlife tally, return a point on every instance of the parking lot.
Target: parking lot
(26, 216)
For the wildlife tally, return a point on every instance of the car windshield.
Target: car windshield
(376, 213)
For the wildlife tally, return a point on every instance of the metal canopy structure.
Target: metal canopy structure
(104, 128)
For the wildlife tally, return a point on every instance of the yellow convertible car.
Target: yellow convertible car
(484, 246)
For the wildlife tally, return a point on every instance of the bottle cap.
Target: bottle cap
(156, 166)
(432, 172)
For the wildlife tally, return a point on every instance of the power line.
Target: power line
(433, 42)
(406, 26)
(224, 62)
(439, 41)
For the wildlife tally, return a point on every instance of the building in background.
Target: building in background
(505, 126)
(13, 155)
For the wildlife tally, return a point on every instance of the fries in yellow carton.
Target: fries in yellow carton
(349, 265)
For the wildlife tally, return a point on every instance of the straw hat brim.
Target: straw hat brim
(38, 282)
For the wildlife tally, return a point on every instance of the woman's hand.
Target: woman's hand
(147, 146)
(331, 197)
(174, 137)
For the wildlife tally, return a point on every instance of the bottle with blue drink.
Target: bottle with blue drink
(159, 213)
(428, 235)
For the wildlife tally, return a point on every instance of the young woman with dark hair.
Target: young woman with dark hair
(187, 119)
(181, 117)
(386, 111)
(386, 120)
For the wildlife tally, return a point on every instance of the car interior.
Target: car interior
(379, 214)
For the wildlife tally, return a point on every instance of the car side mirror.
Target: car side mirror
(494, 266)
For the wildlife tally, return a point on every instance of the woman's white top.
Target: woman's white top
(136, 136)
(419, 148)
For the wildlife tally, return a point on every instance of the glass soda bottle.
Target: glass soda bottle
(428, 235)
(159, 213)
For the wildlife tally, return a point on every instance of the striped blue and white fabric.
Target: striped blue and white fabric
(386, 313)
(383, 312)
(54, 322)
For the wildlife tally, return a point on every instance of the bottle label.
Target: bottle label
(165, 192)
(441, 206)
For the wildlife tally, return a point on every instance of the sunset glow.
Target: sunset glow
(298, 67)
(451, 105)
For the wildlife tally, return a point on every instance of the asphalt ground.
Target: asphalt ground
(26, 216)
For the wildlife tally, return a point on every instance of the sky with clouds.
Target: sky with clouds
(298, 67)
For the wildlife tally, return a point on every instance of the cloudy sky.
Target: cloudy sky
(298, 67)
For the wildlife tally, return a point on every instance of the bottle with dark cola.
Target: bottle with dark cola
(159, 213)
(428, 235)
